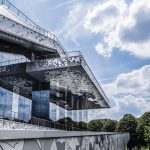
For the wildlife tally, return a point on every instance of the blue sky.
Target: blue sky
(114, 37)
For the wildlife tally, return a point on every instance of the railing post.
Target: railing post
(18, 13)
(8, 5)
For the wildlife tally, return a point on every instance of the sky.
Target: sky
(114, 38)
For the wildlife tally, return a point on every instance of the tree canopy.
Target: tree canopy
(95, 125)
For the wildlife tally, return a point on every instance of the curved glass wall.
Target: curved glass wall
(57, 113)
(24, 109)
(14, 106)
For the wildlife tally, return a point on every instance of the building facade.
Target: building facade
(38, 78)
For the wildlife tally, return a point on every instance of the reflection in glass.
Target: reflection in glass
(53, 111)
(13, 105)
(40, 104)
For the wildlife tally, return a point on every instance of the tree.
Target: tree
(95, 125)
(109, 125)
(140, 136)
(147, 135)
(82, 125)
(66, 123)
(129, 124)
(145, 119)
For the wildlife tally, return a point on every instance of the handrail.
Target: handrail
(23, 60)
(26, 19)
(34, 120)
(96, 82)
(29, 22)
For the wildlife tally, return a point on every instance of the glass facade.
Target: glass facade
(59, 96)
(54, 112)
(57, 113)
(24, 109)
(8, 58)
(40, 105)
(14, 106)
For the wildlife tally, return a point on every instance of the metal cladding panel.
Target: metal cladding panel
(68, 73)
(12, 69)
(27, 33)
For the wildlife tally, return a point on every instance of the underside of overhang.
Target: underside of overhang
(69, 74)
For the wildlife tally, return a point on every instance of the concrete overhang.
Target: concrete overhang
(71, 73)
(19, 38)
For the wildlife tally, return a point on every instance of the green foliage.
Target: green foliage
(139, 128)
(140, 135)
(109, 125)
(145, 119)
(127, 124)
(143, 122)
(95, 125)
(147, 134)
(66, 121)
(82, 125)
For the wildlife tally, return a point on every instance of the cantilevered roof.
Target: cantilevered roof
(71, 73)
(66, 72)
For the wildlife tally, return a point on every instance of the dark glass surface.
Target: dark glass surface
(40, 104)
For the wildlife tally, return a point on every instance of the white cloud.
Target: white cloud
(129, 93)
(103, 50)
(73, 29)
(70, 30)
(123, 26)
(64, 4)
(102, 17)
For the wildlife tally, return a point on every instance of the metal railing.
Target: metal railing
(14, 61)
(53, 56)
(42, 57)
(93, 78)
(29, 22)
(28, 119)
(26, 19)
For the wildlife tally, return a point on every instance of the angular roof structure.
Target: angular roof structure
(47, 62)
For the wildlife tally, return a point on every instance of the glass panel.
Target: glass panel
(74, 115)
(36, 101)
(53, 110)
(21, 108)
(2, 99)
(61, 112)
(69, 114)
(15, 105)
(9, 98)
(80, 115)
(40, 102)
(85, 115)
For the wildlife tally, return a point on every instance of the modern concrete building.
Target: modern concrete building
(41, 82)
(38, 77)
